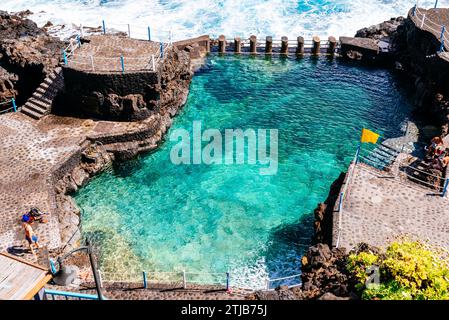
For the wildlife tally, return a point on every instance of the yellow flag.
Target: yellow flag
(369, 136)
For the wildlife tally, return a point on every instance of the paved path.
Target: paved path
(30, 150)
(102, 54)
(380, 206)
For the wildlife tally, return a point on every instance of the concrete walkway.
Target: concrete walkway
(29, 154)
(380, 206)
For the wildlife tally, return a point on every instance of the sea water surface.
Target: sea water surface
(149, 214)
(188, 18)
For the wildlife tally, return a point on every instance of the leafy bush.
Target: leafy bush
(408, 270)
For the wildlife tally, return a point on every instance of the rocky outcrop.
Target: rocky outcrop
(412, 51)
(324, 214)
(27, 55)
(324, 277)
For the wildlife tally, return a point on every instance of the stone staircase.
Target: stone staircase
(41, 101)
(382, 156)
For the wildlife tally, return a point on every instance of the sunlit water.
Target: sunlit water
(187, 18)
(151, 214)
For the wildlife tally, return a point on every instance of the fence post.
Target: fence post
(443, 30)
(436, 4)
(64, 56)
(78, 40)
(357, 154)
(184, 279)
(100, 279)
(122, 61)
(145, 285)
(446, 187)
(414, 10)
(149, 34)
(14, 106)
(228, 282)
(52, 266)
(162, 49)
(104, 28)
(340, 202)
(442, 46)
(268, 45)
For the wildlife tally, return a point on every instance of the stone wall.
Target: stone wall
(130, 96)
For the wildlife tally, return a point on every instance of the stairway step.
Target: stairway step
(36, 108)
(31, 113)
(42, 97)
(40, 103)
(392, 150)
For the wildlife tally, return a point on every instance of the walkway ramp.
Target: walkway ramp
(20, 279)
(379, 206)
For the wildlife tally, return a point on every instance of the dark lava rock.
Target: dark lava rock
(27, 52)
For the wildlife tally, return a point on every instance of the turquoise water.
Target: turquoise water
(152, 214)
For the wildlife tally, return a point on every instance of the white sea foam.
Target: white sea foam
(186, 18)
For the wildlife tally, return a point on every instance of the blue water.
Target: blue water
(152, 214)
(187, 18)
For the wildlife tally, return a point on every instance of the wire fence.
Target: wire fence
(186, 279)
(422, 20)
(138, 31)
(120, 63)
(11, 103)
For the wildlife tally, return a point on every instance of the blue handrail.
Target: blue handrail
(67, 294)
(13, 106)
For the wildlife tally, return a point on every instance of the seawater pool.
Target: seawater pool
(149, 214)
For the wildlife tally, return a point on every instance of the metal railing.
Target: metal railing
(344, 192)
(13, 107)
(137, 31)
(181, 278)
(67, 295)
(184, 279)
(121, 63)
(425, 23)
(291, 282)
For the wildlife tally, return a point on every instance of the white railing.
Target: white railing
(121, 63)
(137, 31)
(184, 279)
(291, 282)
(344, 192)
(425, 23)
(180, 278)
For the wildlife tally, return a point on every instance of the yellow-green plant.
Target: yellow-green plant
(408, 270)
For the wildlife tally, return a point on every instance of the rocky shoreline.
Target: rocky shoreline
(27, 52)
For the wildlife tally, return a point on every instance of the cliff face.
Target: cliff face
(27, 55)
(413, 53)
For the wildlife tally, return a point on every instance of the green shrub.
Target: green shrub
(408, 270)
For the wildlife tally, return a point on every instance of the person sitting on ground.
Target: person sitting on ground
(435, 148)
(445, 159)
(36, 215)
(30, 237)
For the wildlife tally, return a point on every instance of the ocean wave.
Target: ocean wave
(186, 18)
